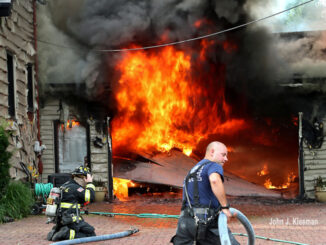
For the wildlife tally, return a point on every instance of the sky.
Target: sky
(310, 17)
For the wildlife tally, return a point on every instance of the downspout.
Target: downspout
(301, 160)
(40, 164)
(110, 167)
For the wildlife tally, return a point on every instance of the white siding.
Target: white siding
(48, 114)
(99, 156)
(315, 165)
(16, 36)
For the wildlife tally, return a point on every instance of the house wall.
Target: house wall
(17, 37)
(49, 112)
(314, 165)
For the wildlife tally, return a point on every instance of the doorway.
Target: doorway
(71, 143)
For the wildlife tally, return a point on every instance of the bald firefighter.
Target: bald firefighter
(203, 199)
(77, 192)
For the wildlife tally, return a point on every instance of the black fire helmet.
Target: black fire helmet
(81, 171)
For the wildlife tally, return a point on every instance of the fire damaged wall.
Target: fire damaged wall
(313, 154)
(233, 87)
(18, 88)
(58, 119)
(305, 52)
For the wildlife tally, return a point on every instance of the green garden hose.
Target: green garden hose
(43, 189)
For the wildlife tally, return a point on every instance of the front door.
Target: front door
(71, 146)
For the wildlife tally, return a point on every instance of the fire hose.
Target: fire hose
(241, 217)
(223, 227)
(97, 238)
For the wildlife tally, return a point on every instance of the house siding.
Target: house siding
(17, 37)
(314, 165)
(49, 113)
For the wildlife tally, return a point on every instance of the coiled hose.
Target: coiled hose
(223, 229)
(97, 238)
(43, 189)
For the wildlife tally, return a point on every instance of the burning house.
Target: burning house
(161, 106)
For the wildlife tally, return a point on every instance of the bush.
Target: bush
(4, 160)
(16, 202)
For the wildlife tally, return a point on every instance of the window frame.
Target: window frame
(12, 86)
(30, 98)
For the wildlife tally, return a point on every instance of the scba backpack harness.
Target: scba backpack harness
(54, 208)
(203, 215)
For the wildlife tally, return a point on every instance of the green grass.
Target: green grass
(4, 160)
(16, 202)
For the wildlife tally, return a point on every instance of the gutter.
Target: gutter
(40, 164)
(301, 160)
(110, 166)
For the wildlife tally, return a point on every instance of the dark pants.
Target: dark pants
(82, 229)
(187, 231)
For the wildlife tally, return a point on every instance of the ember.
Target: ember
(264, 171)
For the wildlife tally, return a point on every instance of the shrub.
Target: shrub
(4, 160)
(16, 202)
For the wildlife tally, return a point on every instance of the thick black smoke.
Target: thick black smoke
(88, 25)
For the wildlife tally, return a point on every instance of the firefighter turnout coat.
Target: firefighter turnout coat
(73, 197)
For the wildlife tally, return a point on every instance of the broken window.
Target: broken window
(30, 87)
(11, 86)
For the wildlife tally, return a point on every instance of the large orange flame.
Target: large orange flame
(162, 105)
(120, 188)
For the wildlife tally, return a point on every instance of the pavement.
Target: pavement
(302, 222)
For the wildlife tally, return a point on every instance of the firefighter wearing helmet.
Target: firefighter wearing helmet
(75, 193)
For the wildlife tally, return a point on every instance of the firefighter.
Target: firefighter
(77, 192)
(203, 198)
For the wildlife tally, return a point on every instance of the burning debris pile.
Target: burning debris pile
(178, 97)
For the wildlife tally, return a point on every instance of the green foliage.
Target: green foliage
(99, 183)
(4, 160)
(320, 182)
(295, 15)
(16, 202)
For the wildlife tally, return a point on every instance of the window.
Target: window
(30, 87)
(11, 86)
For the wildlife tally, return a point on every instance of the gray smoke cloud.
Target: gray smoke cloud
(55, 60)
(65, 60)
(305, 54)
(87, 25)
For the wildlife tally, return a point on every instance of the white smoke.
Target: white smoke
(309, 17)
(306, 55)
(54, 60)
(65, 60)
